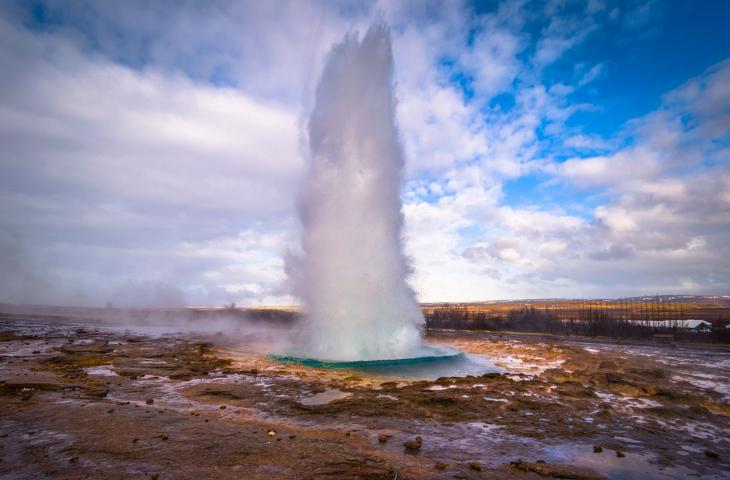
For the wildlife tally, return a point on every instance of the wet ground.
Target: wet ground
(83, 402)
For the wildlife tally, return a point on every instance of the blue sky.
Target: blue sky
(153, 152)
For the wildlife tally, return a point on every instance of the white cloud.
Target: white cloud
(153, 157)
(106, 169)
(662, 225)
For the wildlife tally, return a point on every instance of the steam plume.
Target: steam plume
(352, 274)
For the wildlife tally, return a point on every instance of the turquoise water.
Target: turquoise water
(442, 362)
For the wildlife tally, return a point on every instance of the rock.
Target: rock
(73, 459)
(440, 466)
(271, 433)
(383, 437)
(155, 476)
(149, 401)
(161, 436)
(711, 454)
(292, 436)
(614, 377)
(222, 407)
(474, 465)
(414, 444)
(620, 454)
(597, 449)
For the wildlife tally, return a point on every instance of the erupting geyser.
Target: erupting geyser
(352, 274)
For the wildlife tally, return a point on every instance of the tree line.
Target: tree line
(583, 319)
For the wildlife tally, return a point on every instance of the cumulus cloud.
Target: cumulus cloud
(665, 224)
(151, 152)
(110, 174)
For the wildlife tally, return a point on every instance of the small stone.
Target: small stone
(347, 434)
(597, 449)
(414, 444)
(73, 459)
(440, 466)
(620, 454)
(223, 407)
(383, 437)
(149, 401)
(474, 465)
(162, 436)
(135, 440)
(155, 476)
(711, 454)
(111, 410)
(271, 433)
(292, 436)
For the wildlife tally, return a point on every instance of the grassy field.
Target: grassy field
(716, 308)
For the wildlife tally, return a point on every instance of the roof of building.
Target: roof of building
(690, 324)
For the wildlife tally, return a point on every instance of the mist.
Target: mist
(352, 274)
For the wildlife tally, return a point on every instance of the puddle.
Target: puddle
(492, 399)
(627, 402)
(389, 397)
(437, 388)
(102, 371)
(325, 397)
(631, 467)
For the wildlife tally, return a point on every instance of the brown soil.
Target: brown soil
(85, 404)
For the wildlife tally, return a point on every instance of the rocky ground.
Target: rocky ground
(79, 402)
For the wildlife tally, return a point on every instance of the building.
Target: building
(690, 325)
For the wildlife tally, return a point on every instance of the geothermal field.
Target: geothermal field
(359, 379)
(83, 400)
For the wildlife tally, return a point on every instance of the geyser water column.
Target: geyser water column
(351, 275)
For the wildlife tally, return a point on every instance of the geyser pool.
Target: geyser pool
(427, 355)
(351, 274)
(435, 362)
